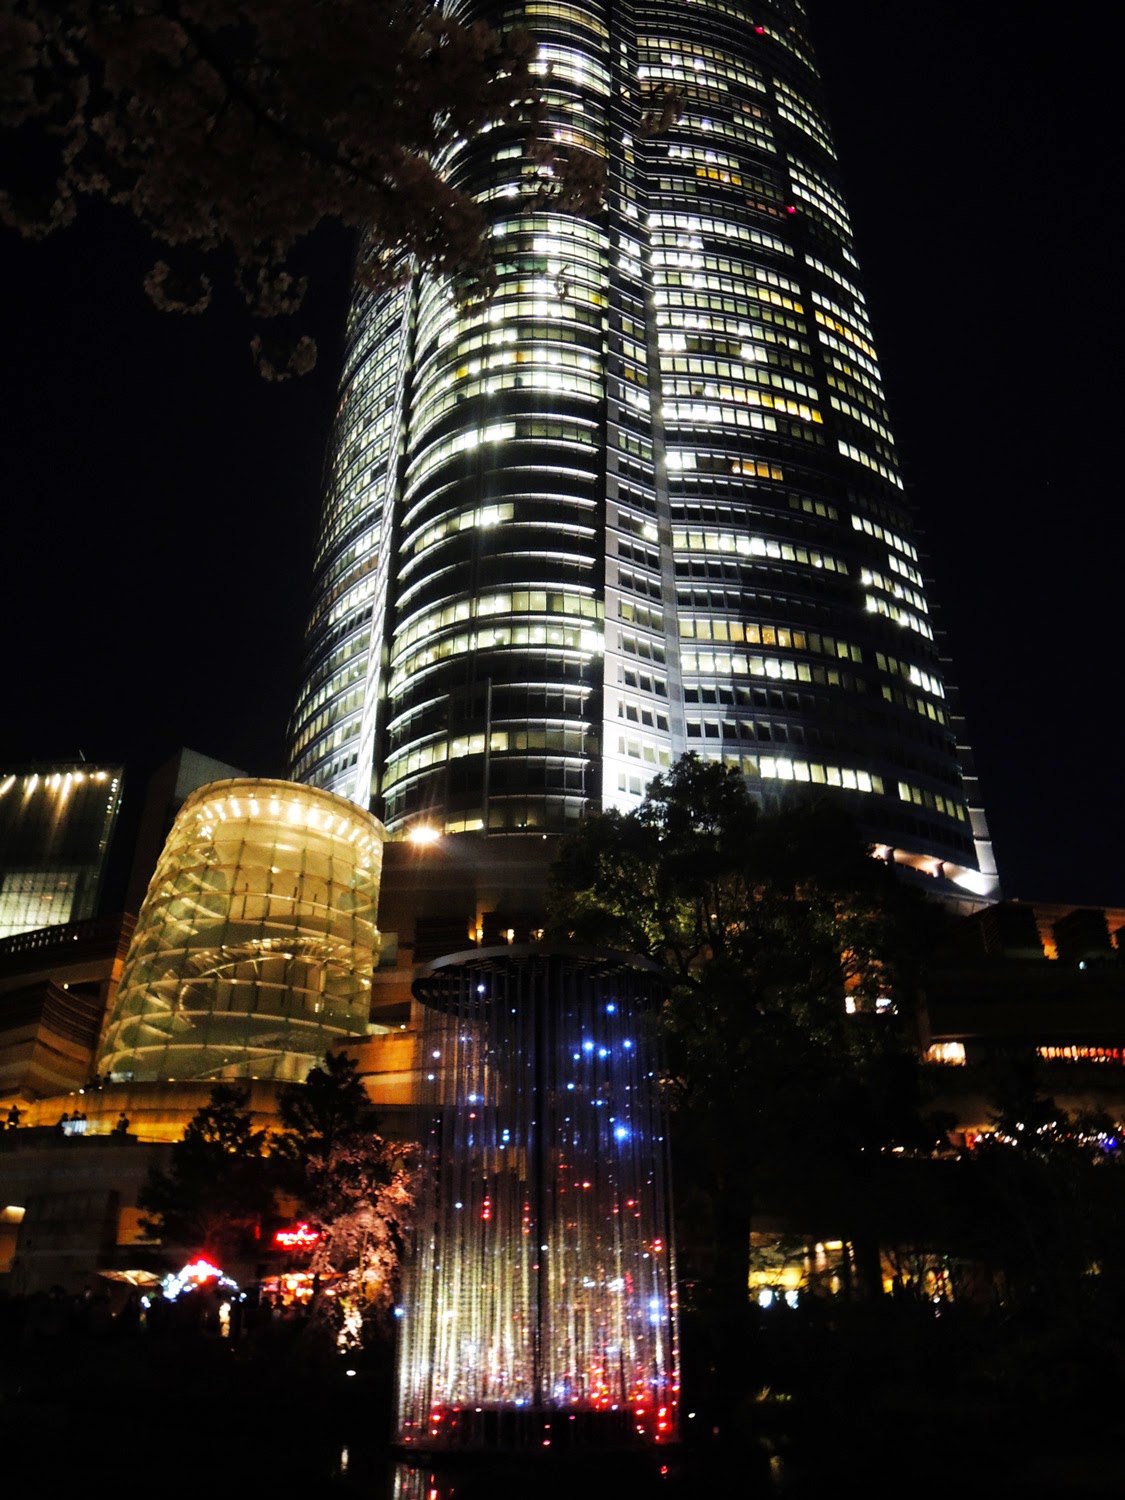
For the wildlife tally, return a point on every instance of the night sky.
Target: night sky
(159, 500)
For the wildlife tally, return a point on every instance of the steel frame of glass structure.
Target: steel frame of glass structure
(254, 947)
(646, 499)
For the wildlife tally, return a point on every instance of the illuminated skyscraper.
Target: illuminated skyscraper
(646, 499)
(56, 823)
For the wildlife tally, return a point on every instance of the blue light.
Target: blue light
(611, 1009)
(622, 1132)
(587, 1046)
(570, 1085)
(603, 1051)
(400, 1312)
(628, 1047)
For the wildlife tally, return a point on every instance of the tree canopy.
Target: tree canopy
(354, 1187)
(232, 130)
(790, 951)
(217, 1188)
(222, 1189)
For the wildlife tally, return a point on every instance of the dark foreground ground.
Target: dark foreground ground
(893, 1406)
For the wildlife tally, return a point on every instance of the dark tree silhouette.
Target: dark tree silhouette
(232, 130)
(218, 1187)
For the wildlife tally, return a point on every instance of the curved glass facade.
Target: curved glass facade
(646, 499)
(254, 948)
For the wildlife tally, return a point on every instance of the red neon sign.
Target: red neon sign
(301, 1237)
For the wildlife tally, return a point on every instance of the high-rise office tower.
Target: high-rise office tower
(646, 498)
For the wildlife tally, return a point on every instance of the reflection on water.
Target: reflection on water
(362, 1471)
(506, 1477)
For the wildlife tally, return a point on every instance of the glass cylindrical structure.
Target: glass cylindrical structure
(541, 1308)
(254, 947)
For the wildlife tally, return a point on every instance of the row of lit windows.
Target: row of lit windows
(518, 601)
(541, 378)
(446, 448)
(849, 450)
(699, 301)
(920, 706)
(755, 546)
(810, 186)
(652, 755)
(481, 515)
(325, 684)
(551, 10)
(339, 708)
(680, 460)
(922, 797)
(745, 394)
(772, 768)
(704, 155)
(748, 127)
(855, 320)
(825, 320)
(340, 644)
(532, 537)
(560, 356)
(705, 274)
(897, 590)
(879, 606)
(696, 414)
(583, 639)
(853, 358)
(837, 277)
(761, 274)
(769, 635)
(676, 225)
(718, 272)
(781, 669)
(864, 418)
(640, 614)
(343, 734)
(407, 762)
(860, 388)
(798, 111)
(872, 528)
(914, 675)
(670, 60)
(898, 566)
(748, 376)
(568, 65)
(813, 507)
(356, 598)
(345, 586)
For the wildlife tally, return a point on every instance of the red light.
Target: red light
(789, 209)
(300, 1237)
(761, 30)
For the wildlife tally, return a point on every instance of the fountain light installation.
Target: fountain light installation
(541, 1308)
